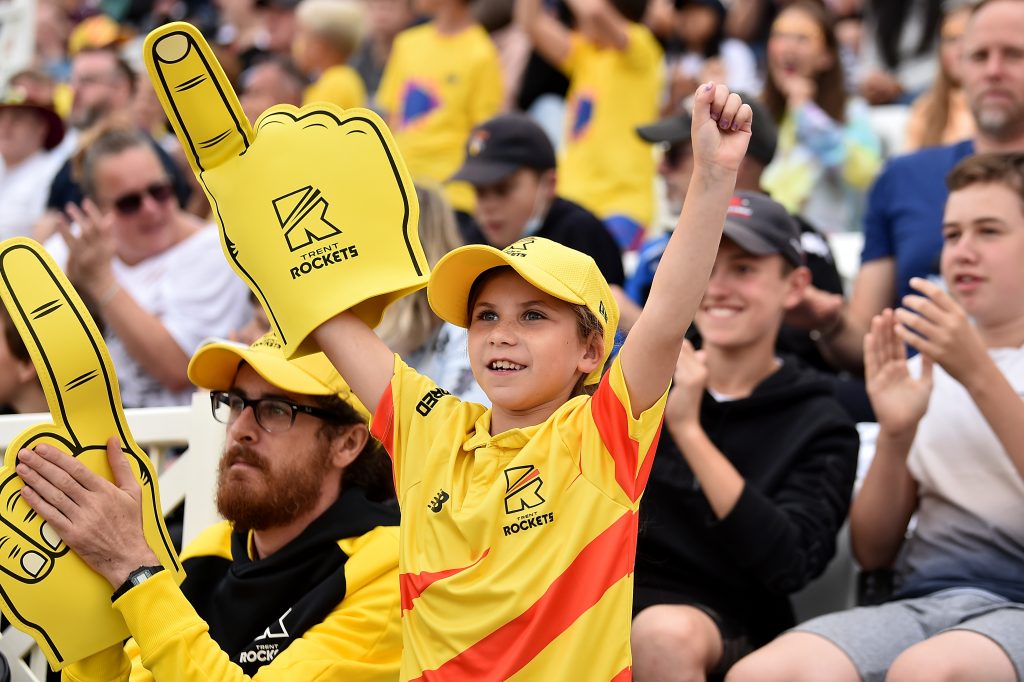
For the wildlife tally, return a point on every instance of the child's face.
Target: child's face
(524, 347)
(429, 7)
(746, 298)
(302, 48)
(696, 24)
(504, 208)
(982, 253)
(796, 46)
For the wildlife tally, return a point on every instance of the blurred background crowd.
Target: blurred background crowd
(88, 164)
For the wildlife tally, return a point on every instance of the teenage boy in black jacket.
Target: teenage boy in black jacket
(754, 471)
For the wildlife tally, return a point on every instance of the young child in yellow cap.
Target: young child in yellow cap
(519, 522)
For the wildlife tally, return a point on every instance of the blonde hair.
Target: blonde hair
(409, 322)
(339, 22)
(937, 100)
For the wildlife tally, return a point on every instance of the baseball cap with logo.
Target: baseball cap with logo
(762, 226)
(764, 134)
(216, 363)
(499, 147)
(553, 268)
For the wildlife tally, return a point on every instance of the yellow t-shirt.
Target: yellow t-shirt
(435, 88)
(517, 549)
(340, 84)
(604, 165)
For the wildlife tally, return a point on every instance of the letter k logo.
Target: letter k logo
(302, 215)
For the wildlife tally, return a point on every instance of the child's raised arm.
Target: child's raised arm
(720, 132)
(358, 354)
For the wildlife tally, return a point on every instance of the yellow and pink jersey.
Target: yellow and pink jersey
(517, 549)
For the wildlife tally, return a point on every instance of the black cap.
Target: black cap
(764, 134)
(501, 146)
(278, 4)
(762, 226)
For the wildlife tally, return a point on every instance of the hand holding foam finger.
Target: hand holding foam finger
(316, 208)
(49, 591)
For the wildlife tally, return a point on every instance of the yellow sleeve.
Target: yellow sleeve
(339, 85)
(110, 665)
(489, 89)
(578, 46)
(391, 80)
(174, 643)
(413, 412)
(642, 52)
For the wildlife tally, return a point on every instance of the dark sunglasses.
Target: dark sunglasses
(131, 203)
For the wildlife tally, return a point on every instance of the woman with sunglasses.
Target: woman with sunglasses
(154, 271)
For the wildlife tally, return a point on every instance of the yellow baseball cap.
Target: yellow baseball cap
(215, 365)
(553, 268)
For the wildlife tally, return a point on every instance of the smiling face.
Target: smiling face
(148, 229)
(982, 253)
(796, 46)
(525, 349)
(746, 298)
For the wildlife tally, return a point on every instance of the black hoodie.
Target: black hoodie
(797, 451)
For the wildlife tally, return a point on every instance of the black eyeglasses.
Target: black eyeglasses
(131, 203)
(274, 415)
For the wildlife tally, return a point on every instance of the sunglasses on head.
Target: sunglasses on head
(131, 203)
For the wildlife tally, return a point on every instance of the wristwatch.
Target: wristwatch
(136, 577)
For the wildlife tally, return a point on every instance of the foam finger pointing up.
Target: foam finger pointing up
(196, 95)
(66, 348)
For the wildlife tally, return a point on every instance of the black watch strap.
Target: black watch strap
(136, 577)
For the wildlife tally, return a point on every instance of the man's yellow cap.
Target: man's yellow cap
(553, 268)
(215, 365)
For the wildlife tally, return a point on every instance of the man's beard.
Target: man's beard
(281, 496)
(1000, 124)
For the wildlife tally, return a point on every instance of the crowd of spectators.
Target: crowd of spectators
(567, 119)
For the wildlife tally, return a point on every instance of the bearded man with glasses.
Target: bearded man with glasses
(301, 580)
(154, 272)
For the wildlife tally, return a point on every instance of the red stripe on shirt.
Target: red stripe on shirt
(413, 584)
(613, 424)
(601, 564)
(625, 675)
(383, 425)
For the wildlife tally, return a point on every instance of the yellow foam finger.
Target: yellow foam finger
(48, 591)
(320, 216)
(196, 95)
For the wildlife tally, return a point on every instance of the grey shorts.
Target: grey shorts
(873, 636)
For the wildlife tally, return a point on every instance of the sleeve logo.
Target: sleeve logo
(429, 399)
